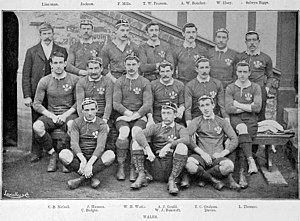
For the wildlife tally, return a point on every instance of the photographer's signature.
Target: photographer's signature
(16, 195)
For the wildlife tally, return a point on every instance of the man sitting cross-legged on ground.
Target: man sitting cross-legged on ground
(59, 89)
(209, 160)
(243, 103)
(88, 138)
(167, 153)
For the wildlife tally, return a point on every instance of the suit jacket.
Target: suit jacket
(35, 67)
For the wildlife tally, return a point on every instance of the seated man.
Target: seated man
(243, 102)
(209, 161)
(166, 89)
(59, 87)
(167, 153)
(88, 137)
(132, 99)
(100, 88)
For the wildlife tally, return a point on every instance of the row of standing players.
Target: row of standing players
(155, 58)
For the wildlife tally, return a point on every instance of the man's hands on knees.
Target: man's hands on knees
(207, 158)
(88, 170)
(82, 163)
(150, 154)
(163, 152)
(28, 101)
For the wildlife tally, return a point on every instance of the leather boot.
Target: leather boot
(243, 181)
(252, 165)
(52, 163)
(65, 170)
(172, 187)
(95, 183)
(133, 174)
(217, 184)
(140, 181)
(35, 158)
(185, 181)
(73, 184)
(149, 177)
(121, 171)
(201, 183)
(232, 184)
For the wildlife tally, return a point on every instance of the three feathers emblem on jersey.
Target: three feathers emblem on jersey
(257, 64)
(228, 61)
(248, 96)
(196, 57)
(218, 129)
(101, 90)
(67, 87)
(95, 134)
(172, 138)
(94, 53)
(137, 90)
(213, 94)
(130, 52)
(173, 95)
(162, 54)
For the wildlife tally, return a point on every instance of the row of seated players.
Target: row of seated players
(132, 101)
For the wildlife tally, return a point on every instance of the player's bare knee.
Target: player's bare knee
(226, 167)
(192, 165)
(181, 149)
(66, 156)
(39, 128)
(136, 146)
(242, 128)
(134, 131)
(108, 157)
(124, 132)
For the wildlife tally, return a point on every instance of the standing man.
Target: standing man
(261, 67)
(153, 52)
(132, 99)
(243, 103)
(167, 153)
(222, 59)
(59, 89)
(36, 66)
(83, 49)
(209, 159)
(99, 88)
(89, 155)
(186, 55)
(166, 89)
(115, 52)
(201, 85)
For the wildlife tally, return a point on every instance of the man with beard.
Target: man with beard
(222, 59)
(132, 99)
(164, 90)
(261, 67)
(153, 52)
(201, 85)
(36, 66)
(209, 158)
(186, 55)
(89, 155)
(99, 88)
(243, 103)
(59, 89)
(167, 154)
(83, 49)
(115, 51)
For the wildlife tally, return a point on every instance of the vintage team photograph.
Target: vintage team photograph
(150, 105)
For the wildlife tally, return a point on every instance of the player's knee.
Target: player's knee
(39, 127)
(134, 131)
(181, 149)
(108, 157)
(192, 165)
(242, 128)
(226, 167)
(136, 146)
(124, 132)
(66, 156)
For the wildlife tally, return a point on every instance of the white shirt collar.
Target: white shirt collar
(153, 43)
(256, 52)
(47, 48)
(203, 81)
(59, 77)
(188, 45)
(89, 41)
(170, 83)
(223, 50)
(247, 84)
(132, 78)
(90, 121)
(212, 117)
(98, 79)
(171, 125)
